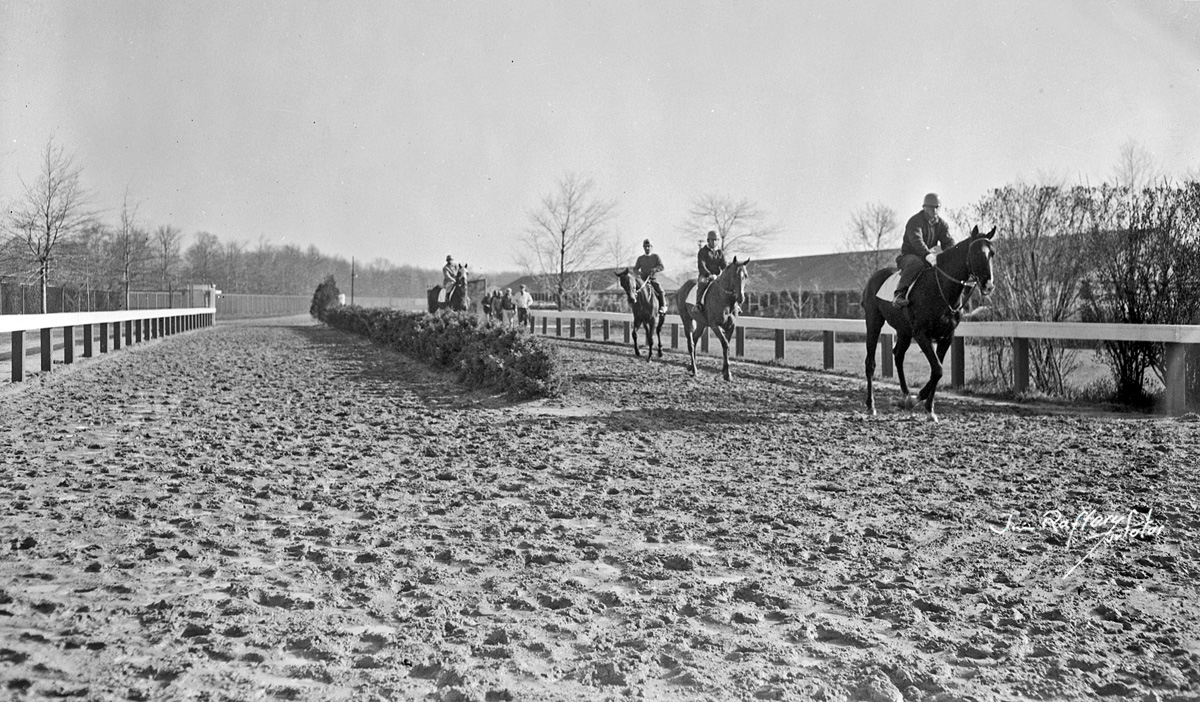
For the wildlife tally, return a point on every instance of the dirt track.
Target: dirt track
(287, 512)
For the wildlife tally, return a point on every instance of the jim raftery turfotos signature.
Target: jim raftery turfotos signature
(1088, 527)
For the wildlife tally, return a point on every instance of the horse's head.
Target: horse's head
(733, 280)
(626, 279)
(979, 258)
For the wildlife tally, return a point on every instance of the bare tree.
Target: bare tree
(567, 234)
(130, 247)
(167, 258)
(1040, 274)
(873, 232)
(50, 211)
(202, 257)
(740, 224)
(1136, 168)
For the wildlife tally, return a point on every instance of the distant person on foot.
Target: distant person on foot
(524, 301)
(923, 231)
(648, 265)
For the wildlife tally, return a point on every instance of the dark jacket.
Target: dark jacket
(920, 235)
(710, 263)
(647, 265)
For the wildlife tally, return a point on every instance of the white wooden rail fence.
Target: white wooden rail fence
(123, 327)
(1174, 337)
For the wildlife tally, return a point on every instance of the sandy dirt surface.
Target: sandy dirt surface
(287, 512)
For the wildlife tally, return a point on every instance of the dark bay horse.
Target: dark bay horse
(717, 311)
(645, 312)
(934, 311)
(456, 299)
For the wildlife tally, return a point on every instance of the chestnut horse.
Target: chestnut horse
(645, 312)
(717, 311)
(935, 308)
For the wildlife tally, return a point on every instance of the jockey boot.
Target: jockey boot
(901, 299)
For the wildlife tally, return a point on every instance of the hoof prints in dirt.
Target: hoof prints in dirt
(293, 513)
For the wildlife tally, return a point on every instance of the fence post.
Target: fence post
(1020, 364)
(103, 337)
(87, 341)
(625, 326)
(830, 338)
(739, 346)
(888, 359)
(1175, 378)
(47, 349)
(68, 344)
(604, 329)
(572, 327)
(128, 332)
(958, 363)
(116, 336)
(17, 361)
(545, 322)
(587, 328)
(704, 341)
(779, 337)
(674, 336)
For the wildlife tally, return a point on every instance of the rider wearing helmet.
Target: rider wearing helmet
(711, 261)
(647, 265)
(923, 231)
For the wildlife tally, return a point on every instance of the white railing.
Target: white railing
(1174, 337)
(129, 326)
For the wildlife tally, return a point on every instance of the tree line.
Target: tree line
(52, 235)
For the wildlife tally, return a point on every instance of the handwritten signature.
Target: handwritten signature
(1088, 526)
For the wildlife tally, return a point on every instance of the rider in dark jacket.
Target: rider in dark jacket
(647, 266)
(923, 231)
(710, 261)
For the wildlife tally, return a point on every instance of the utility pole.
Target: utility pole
(351, 281)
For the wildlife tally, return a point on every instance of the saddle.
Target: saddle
(694, 296)
(888, 290)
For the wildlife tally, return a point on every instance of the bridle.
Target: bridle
(733, 295)
(968, 285)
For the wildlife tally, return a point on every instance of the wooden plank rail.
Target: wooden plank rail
(1175, 337)
(135, 325)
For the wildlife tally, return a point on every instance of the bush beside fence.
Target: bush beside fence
(484, 355)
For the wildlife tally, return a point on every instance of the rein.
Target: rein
(968, 284)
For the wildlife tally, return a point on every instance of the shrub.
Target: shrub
(325, 296)
(483, 355)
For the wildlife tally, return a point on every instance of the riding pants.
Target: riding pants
(910, 267)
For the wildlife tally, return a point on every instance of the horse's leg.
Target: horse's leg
(935, 373)
(719, 332)
(927, 392)
(874, 327)
(694, 341)
(903, 339)
(658, 333)
(649, 340)
(636, 351)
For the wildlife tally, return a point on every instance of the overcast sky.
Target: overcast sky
(410, 130)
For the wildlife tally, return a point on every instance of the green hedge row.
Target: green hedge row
(484, 355)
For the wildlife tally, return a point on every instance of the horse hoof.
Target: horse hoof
(933, 418)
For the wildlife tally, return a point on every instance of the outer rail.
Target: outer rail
(130, 326)
(1174, 337)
